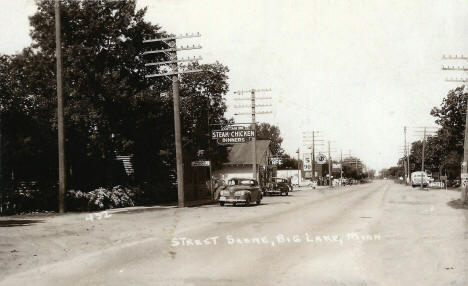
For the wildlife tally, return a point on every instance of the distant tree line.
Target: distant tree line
(443, 153)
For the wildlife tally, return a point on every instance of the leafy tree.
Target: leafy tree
(202, 105)
(266, 131)
(110, 108)
(451, 117)
(288, 163)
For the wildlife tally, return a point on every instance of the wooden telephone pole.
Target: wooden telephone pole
(407, 171)
(171, 52)
(253, 114)
(313, 142)
(426, 133)
(60, 116)
(329, 167)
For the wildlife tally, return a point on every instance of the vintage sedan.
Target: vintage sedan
(240, 190)
(277, 186)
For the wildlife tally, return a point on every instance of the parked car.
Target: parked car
(277, 186)
(453, 183)
(240, 190)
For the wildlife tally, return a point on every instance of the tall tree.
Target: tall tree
(448, 145)
(110, 108)
(266, 131)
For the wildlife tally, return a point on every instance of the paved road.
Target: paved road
(375, 234)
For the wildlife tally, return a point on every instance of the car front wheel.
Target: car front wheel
(247, 202)
(221, 203)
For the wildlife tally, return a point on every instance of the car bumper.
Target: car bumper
(273, 192)
(232, 200)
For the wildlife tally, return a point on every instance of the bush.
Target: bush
(29, 197)
(77, 200)
(25, 197)
(117, 197)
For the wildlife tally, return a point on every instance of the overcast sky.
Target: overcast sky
(358, 71)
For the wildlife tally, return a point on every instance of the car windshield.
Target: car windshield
(241, 182)
(277, 180)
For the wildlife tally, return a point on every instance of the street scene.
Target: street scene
(204, 142)
(373, 234)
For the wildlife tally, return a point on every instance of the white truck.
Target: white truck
(419, 178)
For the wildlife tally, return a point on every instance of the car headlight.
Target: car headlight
(224, 193)
(240, 193)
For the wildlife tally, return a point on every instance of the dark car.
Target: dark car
(240, 190)
(277, 186)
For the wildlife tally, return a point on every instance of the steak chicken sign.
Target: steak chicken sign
(233, 135)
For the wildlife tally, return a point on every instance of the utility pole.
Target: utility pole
(425, 134)
(407, 163)
(305, 140)
(313, 155)
(1, 170)
(298, 170)
(60, 115)
(341, 167)
(253, 126)
(329, 166)
(254, 139)
(404, 161)
(171, 52)
(464, 189)
(422, 163)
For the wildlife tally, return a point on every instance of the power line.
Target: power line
(253, 98)
(170, 51)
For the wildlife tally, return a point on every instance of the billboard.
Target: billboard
(233, 135)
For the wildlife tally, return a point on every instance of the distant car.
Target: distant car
(277, 186)
(419, 178)
(240, 190)
(453, 183)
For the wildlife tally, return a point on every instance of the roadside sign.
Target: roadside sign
(276, 161)
(321, 159)
(307, 166)
(464, 176)
(233, 135)
(201, 163)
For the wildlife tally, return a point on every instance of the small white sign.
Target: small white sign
(464, 176)
(200, 163)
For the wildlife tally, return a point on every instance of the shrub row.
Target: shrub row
(101, 198)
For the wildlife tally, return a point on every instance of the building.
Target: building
(239, 163)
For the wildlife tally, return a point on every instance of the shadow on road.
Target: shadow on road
(18, 222)
(457, 204)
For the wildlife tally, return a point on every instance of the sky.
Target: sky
(357, 71)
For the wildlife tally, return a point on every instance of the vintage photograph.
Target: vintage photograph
(233, 142)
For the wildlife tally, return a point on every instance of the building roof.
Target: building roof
(241, 154)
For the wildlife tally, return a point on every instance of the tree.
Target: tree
(110, 107)
(266, 131)
(288, 163)
(451, 117)
(203, 104)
